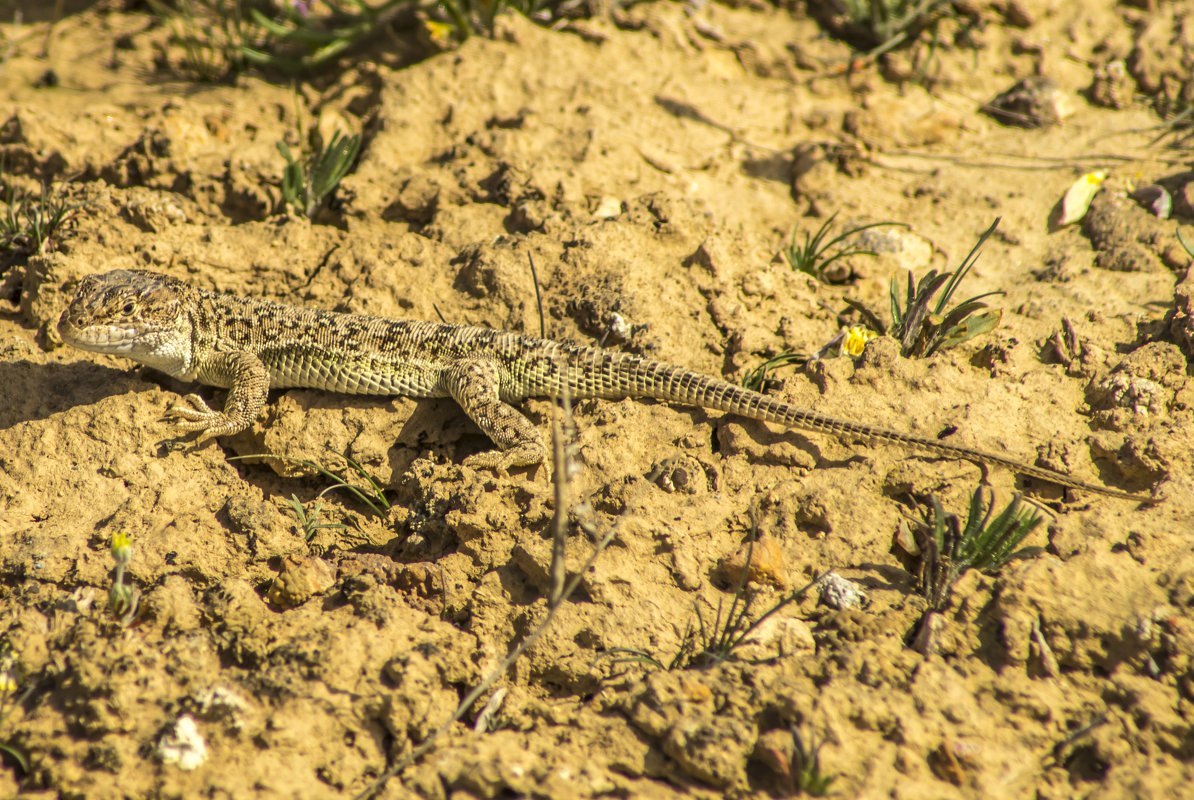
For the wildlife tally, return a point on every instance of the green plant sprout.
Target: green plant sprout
(31, 226)
(123, 600)
(921, 331)
(220, 39)
(10, 701)
(805, 769)
(879, 26)
(759, 379)
(372, 495)
(850, 341)
(309, 522)
(948, 548)
(705, 646)
(889, 23)
(214, 35)
(811, 258)
(319, 37)
(305, 185)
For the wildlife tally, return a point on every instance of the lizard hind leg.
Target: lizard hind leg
(473, 384)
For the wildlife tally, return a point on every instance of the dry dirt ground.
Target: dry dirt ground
(652, 160)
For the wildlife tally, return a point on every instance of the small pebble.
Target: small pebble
(839, 593)
(608, 208)
(182, 745)
(1154, 198)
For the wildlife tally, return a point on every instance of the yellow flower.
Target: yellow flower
(7, 684)
(122, 547)
(855, 339)
(440, 32)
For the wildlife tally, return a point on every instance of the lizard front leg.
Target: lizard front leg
(473, 383)
(249, 381)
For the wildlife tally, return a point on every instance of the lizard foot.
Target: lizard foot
(523, 455)
(199, 416)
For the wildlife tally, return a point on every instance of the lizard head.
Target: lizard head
(138, 315)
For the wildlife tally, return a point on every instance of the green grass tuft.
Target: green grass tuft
(306, 184)
(987, 541)
(34, 225)
(371, 494)
(309, 521)
(220, 39)
(705, 645)
(921, 331)
(812, 258)
(759, 379)
(807, 776)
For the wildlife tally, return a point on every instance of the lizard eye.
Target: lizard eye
(127, 309)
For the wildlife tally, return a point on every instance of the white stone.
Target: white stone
(182, 745)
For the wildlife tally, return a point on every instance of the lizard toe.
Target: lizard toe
(490, 459)
(524, 455)
(190, 413)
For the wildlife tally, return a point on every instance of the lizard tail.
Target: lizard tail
(600, 373)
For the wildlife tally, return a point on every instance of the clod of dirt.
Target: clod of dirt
(707, 745)
(767, 563)
(156, 211)
(1111, 87)
(269, 534)
(1034, 102)
(1079, 630)
(218, 703)
(416, 199)
(775, 638)
(1181, 324)
(1144, 383)
(1126, 237)
(684, 474)
(299, 579)
(774, 749)
(1161, 58)
(954, 762)
(1155, 199)
(817, 170)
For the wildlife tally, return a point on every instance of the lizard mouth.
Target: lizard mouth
(97, 338)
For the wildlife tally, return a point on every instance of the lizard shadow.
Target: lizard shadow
(391, 429)
(883, 577)
(770, 438)
(34, 391)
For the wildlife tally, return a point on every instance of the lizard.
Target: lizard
(249, 346)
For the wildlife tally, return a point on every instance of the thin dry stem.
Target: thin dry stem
(560, 476)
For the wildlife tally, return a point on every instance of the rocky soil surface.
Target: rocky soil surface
(653, 160)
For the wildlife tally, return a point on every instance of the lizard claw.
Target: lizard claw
(491, 459)
(192, 413)
(197, 415)
(525, 455)
(197, 410)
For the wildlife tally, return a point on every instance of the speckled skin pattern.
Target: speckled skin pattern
(249, 346)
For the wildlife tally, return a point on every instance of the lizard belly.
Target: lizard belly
(351, 375)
